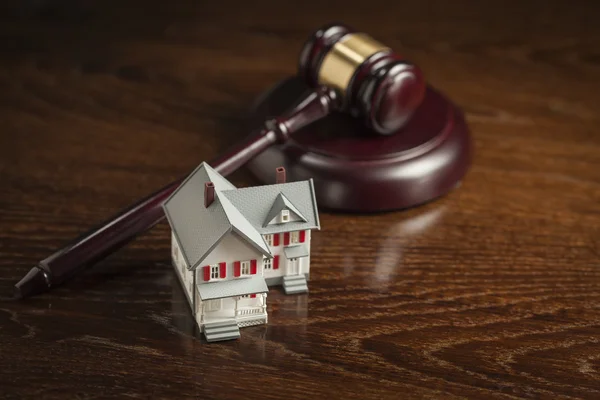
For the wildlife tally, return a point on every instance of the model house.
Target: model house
(229, 245)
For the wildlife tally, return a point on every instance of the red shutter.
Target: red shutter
(286, 238)
(253, 267)
(252, 296)
(236, 269)
(222, 270)
(276, 239)
(302, 236)
(276, 262)
(206, 272)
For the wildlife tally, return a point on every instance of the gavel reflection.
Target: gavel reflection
(348, 71)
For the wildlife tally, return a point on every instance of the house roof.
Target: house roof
(296, 251)
(236, 287)
(255, 204)
(198, 229)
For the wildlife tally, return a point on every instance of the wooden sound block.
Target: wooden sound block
(355, 169)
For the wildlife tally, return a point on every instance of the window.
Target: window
(214, 271)
(244, 268)
(214, 305)
(285, 215)
(294, 237)
(268, 263)
(269, 240)
(245, 265)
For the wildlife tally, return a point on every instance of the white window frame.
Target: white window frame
(215, 272)
(268, 263)
(245, 266)
(285, 215)
(269, 240)
(294, 237)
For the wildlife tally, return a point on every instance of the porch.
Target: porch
(243, 302)
(235, 308)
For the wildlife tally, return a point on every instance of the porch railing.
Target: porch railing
(241, 312)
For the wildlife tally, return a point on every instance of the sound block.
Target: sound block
(357, 170)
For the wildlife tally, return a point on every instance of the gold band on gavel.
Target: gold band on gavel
(345, 57)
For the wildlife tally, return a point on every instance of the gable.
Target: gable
(198, 229)
(292, 217)
(280, 204)
(244, 228)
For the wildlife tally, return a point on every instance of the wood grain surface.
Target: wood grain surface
(491, 292)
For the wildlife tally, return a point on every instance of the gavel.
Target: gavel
(346, 71)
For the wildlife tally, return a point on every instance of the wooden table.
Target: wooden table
(491, 292)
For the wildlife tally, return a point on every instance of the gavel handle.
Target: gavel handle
(106, 238)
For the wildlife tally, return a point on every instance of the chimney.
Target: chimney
(209, 194)
(280, 175)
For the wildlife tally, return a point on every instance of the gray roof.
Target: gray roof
(236, 287)
(255, 204)
(198, 229)
(296, 251)
(243, 227)
(281, 202)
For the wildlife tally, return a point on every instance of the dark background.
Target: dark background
(491, 292)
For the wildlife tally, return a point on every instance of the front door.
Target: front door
(293, 266)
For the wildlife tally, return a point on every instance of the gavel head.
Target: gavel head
(374, 82)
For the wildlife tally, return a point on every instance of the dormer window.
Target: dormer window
(282, 211)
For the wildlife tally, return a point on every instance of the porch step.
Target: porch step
(225, 330)
(295, 284)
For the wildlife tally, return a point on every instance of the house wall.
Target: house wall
(232, 248)
(186, 277)
(271, 275)
(251, 301)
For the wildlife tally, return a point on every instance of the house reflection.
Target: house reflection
(288, 317)
(182, 318)
(398, 236)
